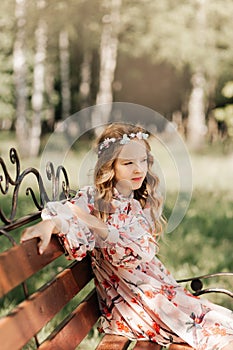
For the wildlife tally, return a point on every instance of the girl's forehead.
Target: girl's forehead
(133, 149)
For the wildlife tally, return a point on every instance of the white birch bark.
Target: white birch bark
(85, 85)
(20, 71)
(38, 83)
(65, 73)
(52, 95)
(196, 108)
(108, 61)
(196, 118)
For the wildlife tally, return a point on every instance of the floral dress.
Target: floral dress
(138, 296)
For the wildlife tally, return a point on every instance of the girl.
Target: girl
(119, 220)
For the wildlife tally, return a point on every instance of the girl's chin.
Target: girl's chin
(136, 185)
(127, 186)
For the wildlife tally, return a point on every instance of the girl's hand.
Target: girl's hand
(43, 230)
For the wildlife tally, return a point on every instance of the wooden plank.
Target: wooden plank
(146, 345)
(180, 347)
(22, 261)
(74, 329)
(113, 342)
(32, 314)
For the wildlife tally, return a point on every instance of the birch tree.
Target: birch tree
(108, 59)
(64, 54)
(85, 84)
(196, 108)
(20, 71)
(201, 44)
(192, 36)
(6, 42)
(38, 81)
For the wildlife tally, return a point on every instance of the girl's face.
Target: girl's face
(131, 167)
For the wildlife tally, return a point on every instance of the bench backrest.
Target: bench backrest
(30, 315)
(28, 305)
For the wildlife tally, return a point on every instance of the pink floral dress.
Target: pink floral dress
(138, 296)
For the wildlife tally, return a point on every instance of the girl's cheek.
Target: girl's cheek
(145, 168)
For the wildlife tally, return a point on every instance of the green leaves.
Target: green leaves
(225, 114)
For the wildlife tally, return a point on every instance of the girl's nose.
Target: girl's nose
(137, 168)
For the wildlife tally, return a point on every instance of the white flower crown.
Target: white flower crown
(123, 141)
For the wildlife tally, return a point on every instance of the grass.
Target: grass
(202, 243)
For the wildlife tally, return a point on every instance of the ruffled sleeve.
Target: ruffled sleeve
(75, 235)
(129, 241)
(77, 238)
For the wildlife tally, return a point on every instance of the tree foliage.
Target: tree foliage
(191, 36)
(225, 114)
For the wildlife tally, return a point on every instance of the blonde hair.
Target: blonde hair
(104, 175)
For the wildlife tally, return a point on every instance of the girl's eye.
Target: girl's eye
(127, 163)
(144, 160)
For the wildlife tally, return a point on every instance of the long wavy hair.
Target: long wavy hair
(104, 176)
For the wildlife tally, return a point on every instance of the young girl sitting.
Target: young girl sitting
(119, 220)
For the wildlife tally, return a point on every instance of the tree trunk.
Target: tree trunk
(85, 90)
(85, 85)
(20, 70)
(108, 61)
(38, 84)
(65, 73)
(196, 115)
(51, 94)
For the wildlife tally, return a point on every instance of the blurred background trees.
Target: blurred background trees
(58, 57)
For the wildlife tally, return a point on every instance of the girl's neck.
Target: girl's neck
(124, 191)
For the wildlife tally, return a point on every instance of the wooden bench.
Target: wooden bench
(59, 313)
(17, 328)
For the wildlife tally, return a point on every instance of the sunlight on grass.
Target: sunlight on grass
(213, 173)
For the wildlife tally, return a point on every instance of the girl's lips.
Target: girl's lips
(137, 178)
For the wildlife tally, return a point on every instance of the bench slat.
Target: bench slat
(32, 314)
(23, 261)
(145, 345)
(75, 328)
(180, 347)
(113, 342)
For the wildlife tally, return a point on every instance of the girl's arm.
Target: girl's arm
(44, 229)
(93, 223)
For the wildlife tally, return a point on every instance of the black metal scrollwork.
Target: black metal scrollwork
(197, 284)
(60, 190)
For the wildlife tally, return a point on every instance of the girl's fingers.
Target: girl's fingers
(42, 230)
(28, 233)
(44, 243)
